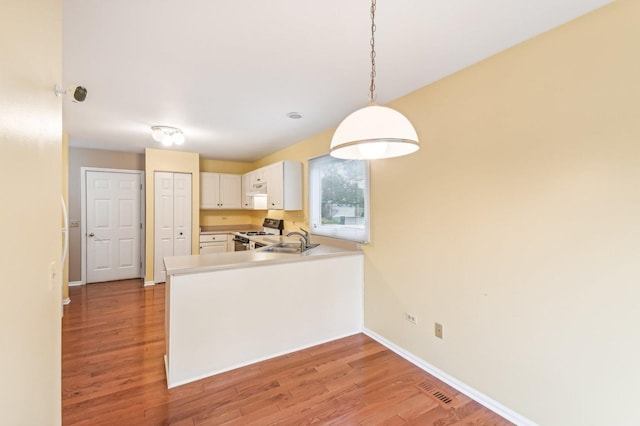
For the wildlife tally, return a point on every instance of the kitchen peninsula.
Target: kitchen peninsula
(227, 310)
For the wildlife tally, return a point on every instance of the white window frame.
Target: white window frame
(344, 232)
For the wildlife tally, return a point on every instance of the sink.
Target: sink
(293, 248)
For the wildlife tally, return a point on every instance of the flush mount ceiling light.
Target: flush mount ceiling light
(167, 136)
(374, 131)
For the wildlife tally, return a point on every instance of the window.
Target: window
(339, 198)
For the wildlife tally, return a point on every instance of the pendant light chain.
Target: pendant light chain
(374, 131)
(372, 86)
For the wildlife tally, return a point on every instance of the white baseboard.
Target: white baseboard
(149, 283)
(75, 283)
(66, 301)
(477, 396)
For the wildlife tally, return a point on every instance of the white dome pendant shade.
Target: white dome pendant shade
(374, 132)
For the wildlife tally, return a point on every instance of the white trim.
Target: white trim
(66, 301)
(83, 217)
(149, 283)
(75, 283)
(474, 394)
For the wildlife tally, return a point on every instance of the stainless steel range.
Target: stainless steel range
(269, 227)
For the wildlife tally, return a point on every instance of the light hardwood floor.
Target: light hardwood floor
(113, 374)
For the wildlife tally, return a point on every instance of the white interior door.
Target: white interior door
(172, 227)
(113, 226)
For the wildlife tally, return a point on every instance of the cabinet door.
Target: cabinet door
(259, 176)
(163, 223)
(172, 220)
(275, 188)
(209, 190)
(213, 248)
(246, 187)
(230, 191)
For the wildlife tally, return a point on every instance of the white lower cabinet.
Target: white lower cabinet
(213, 248)
(215, 243)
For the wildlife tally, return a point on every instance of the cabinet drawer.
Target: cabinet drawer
(205, 238)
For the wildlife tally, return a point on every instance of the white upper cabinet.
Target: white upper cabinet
(220, 191)
(247, 200)
(258, 177)
(284, 185)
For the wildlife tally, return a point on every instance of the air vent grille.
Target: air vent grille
(443, 398)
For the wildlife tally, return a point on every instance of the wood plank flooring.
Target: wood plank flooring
(113, 374)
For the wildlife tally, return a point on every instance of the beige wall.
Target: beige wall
(170, 161)
(83, 157)
(30, 256)
(221, 166)
(516, 224)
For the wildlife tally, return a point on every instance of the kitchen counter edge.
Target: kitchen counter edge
(198, 263)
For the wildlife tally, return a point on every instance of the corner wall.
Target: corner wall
(30, 167)
(65, 197)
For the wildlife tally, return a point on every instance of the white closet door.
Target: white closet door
(163, 239)
(172, 219)
(181, 214)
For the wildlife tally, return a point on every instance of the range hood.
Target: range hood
(259, 188)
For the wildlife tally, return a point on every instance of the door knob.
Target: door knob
(92, 235)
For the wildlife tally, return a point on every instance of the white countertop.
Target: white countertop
(191, 264)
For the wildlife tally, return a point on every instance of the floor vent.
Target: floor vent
(439, 395)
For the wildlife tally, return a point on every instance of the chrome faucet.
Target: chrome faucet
(305, 242)
(303, 239)
(306, 236)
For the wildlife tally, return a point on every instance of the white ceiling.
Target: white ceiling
(228, 72)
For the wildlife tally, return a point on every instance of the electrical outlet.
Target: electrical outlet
(411, 318)
(74, 223)
(438, 330)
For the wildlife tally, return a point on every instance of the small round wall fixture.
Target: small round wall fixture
(167, 135)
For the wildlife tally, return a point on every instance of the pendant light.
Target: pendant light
(374, 132)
